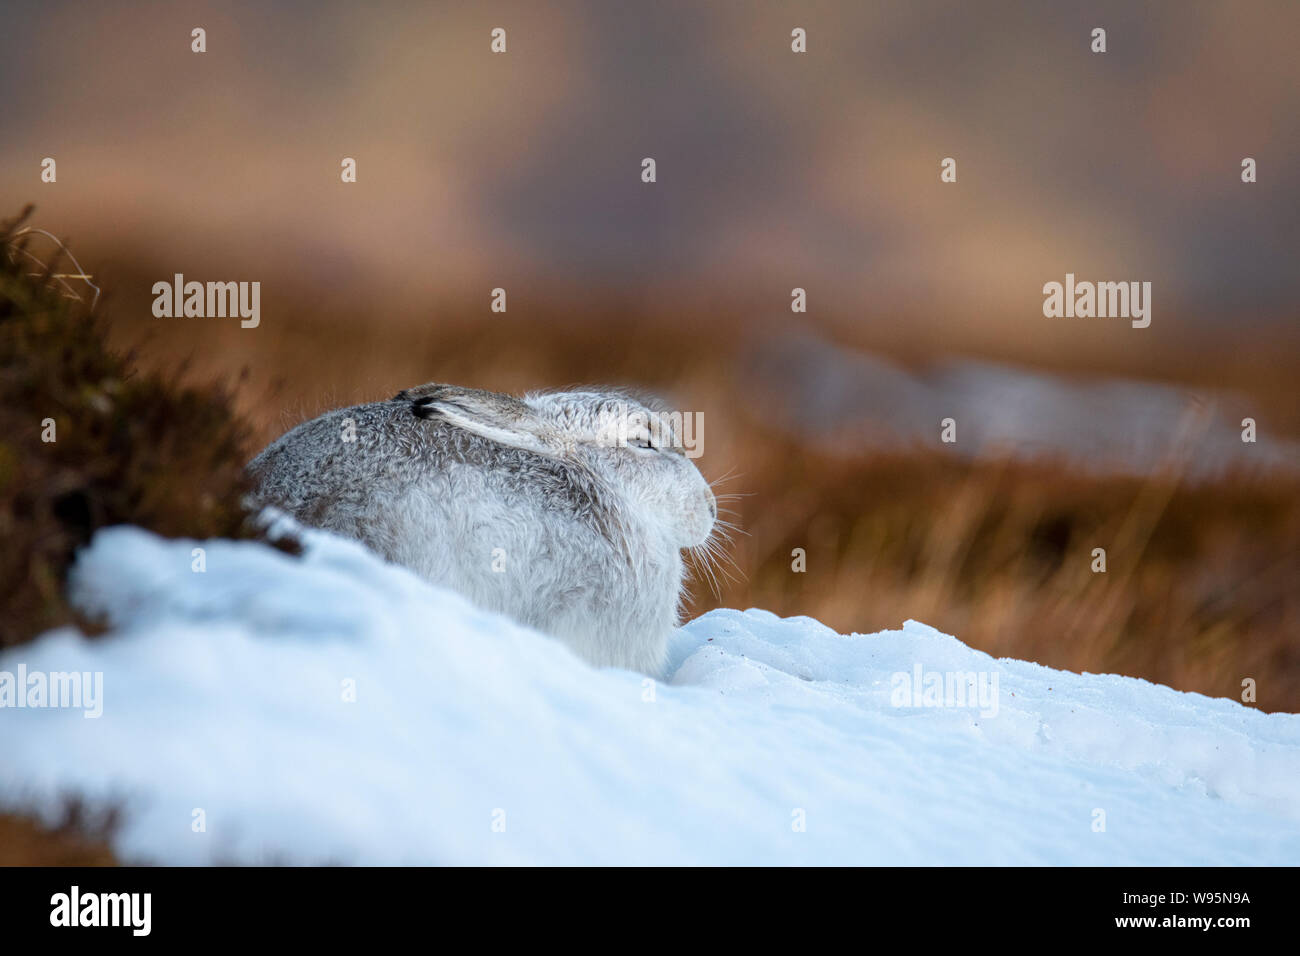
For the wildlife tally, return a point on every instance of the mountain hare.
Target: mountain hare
(567, 511)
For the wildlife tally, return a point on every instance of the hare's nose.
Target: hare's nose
(713, 506)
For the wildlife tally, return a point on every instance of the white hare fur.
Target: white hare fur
(589, 528)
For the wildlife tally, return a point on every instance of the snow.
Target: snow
(474, 740)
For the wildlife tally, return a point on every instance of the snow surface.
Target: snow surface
(223, 692)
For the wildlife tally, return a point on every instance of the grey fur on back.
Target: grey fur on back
(525, 506)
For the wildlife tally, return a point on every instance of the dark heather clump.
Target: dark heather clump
(129, 447)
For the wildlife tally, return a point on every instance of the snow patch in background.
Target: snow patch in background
(223, 691)
(853, 402)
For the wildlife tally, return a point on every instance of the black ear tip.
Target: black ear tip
(423, 408)
(420, 397)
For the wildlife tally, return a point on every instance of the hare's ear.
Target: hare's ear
(420, 391)
(499, 418)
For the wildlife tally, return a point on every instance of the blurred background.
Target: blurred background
(775, 170)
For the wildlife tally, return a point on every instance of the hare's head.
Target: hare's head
(634, 446)
(642, 449)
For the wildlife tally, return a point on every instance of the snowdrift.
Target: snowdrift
(332, 708)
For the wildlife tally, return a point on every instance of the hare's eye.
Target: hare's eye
(639, 440)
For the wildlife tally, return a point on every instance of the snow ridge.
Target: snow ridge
(473, 740)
